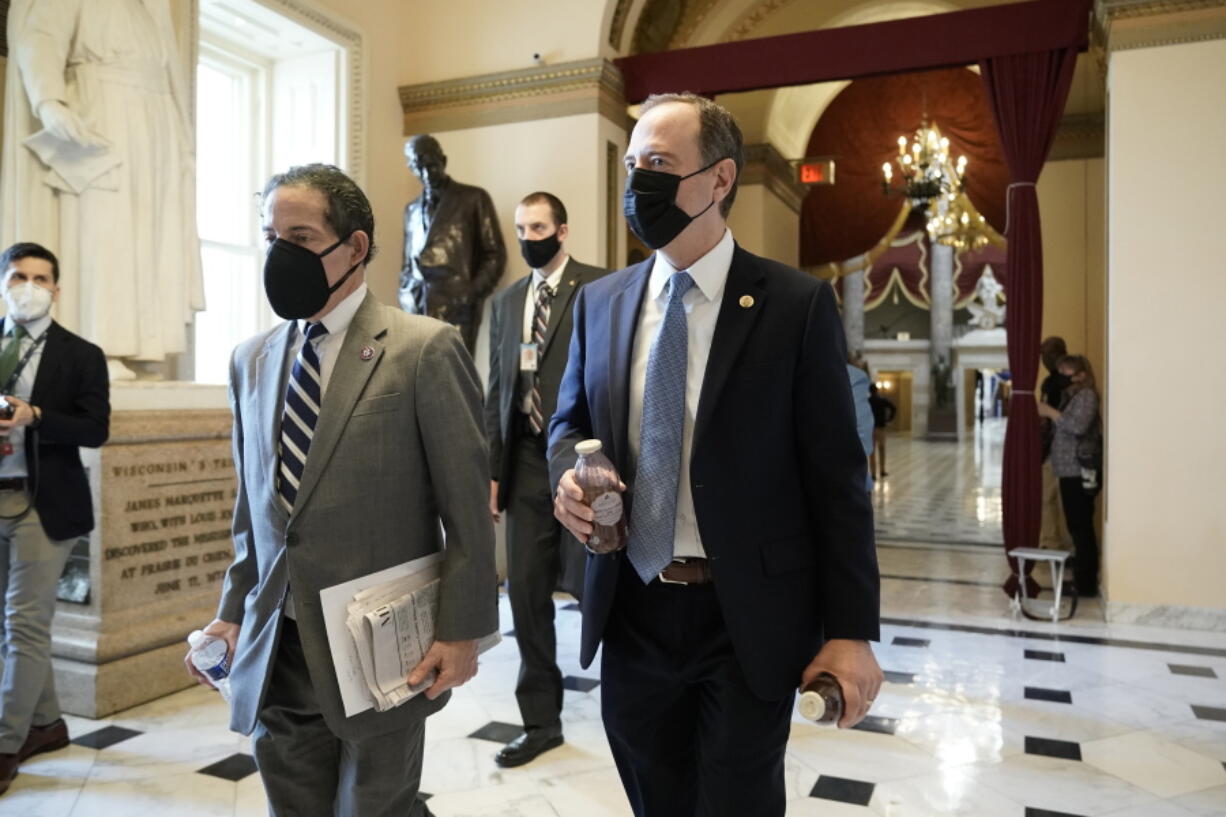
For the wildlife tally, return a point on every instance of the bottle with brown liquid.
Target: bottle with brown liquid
(821, 701)
(601, 491)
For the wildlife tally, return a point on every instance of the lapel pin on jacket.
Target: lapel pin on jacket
(746, 301)
(367, 352)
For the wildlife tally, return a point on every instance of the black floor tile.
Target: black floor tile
(574, 682)
(233, 768)
(842, 790)
(900, 641)
(106, 736)
(1187, 669)
(874, 723)
(1098, 641)
(1040, 655)
(1042, 812)
(1056, 696)
(1209, 713)
(498, 732)
(899, 677)
(574, 605)
(1049, 747)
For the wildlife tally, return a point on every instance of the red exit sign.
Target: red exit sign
(816, 171)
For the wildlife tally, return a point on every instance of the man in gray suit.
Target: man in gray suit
(358, 442)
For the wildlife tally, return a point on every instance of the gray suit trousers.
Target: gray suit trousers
(310, 772)
(30, 567)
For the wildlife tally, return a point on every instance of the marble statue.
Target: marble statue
(98, 166)
(987, 311)
(453, 250)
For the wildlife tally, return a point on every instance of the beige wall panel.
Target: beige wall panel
(461, 38)
(1166, 454)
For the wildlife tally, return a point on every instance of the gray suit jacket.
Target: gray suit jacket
(397, 458)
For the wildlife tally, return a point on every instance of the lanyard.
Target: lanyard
(21, 365)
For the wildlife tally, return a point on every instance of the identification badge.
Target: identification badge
(6, 449)
(527, 357)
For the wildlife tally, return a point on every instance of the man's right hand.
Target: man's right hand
(221, 629)
(66, 125)
(494, 512)
(570, 509)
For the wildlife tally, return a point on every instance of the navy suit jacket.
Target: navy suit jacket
(776, 469)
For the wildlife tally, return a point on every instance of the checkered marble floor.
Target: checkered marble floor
(942, 491)
(982, 715)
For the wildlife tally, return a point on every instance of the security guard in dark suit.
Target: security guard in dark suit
(529, 338)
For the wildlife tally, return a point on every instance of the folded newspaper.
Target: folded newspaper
(392, 625)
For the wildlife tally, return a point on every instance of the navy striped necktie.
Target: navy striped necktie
(302, 400)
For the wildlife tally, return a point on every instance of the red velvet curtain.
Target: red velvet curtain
(1027, 93)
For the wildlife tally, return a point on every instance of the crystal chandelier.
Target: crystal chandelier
(925, 170)
(956, 223)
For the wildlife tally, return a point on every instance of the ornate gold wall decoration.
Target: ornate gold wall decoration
(522, 95)
(1121, 25)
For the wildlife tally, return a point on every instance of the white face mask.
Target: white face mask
(27, 301)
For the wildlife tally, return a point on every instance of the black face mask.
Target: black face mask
(540, 252)
(650, 207)
(295, 281)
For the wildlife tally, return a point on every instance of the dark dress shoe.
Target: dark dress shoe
(44, 739)
(527, 746)
(8, 770)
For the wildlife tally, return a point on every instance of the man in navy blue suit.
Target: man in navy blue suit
(716, 381)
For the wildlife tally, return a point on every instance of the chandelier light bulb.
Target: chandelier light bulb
(889, 174)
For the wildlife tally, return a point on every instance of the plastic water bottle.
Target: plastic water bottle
(598, 478)
(208, 655)
(821, 701)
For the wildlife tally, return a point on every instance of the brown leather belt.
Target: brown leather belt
(687, 571)
(13, 484)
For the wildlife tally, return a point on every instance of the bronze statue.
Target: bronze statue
(453, 250)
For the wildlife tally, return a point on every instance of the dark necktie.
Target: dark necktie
(540, 323)
(302, 401)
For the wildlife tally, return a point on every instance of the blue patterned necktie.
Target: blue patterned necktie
(653, 517)
(302, 401)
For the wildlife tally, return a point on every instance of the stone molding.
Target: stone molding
(764, 165)
(617, 26)
(355, 68)
(1080, 136)
(1122, 25)
(522, 95)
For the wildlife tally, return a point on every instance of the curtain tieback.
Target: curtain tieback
(1008, 199)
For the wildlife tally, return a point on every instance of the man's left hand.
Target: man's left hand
(23, 415)
(852, 662)
(453, 662)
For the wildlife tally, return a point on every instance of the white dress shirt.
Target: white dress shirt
(702, 303)
(14, 465)
(326, 348)
(554, 279)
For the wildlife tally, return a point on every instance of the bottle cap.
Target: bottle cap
(812, 706)
(194, 638)
(588, 447)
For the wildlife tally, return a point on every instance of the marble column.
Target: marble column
(942, 409)
(941, 293)
(853, 312)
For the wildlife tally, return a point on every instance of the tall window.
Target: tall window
(267, 98)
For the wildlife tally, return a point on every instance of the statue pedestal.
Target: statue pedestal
(163, 492)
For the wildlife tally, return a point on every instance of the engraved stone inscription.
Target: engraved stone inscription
(167, 520)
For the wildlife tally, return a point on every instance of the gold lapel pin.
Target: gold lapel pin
(367, 352)
(572, 282)
(746, 301)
